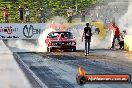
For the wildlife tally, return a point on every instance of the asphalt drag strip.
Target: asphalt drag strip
(59, 69)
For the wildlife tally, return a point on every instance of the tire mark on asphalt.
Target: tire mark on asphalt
(47, 75)
(72, 62)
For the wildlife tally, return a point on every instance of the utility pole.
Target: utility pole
(76, 6)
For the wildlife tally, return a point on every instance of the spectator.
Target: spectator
(69, 14)
(6, 14)
(83, 13)
(21, 12)
(87, 36)
(27, 14)
(116, 32)
(41, 15)
(122, 36)
(62, 27)
(53, 26)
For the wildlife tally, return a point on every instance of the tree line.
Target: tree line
(55, 7)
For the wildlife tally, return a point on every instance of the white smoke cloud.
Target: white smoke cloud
(21, 46)
(28, 46)
(125, 22)
(57, 19)
(41, 40)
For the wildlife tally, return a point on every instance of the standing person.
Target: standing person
(27, 14)
(83, 15)
(5, 14)
(62, 27)
(69, 14)
(116, 33)
(53, 26)
(21, 12)
(41, 15)
(87, 36)
(122, 36)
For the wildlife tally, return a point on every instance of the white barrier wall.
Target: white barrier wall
(11, 76)
(21, 31)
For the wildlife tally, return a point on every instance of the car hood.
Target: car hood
(62, 40)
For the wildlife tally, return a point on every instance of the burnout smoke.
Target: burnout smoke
(96, 42)
(21, 46)
(57, 19)
(41, 40)
(125, 22)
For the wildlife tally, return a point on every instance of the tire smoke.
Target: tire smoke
(125, 22)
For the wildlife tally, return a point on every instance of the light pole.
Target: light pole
(76, 6)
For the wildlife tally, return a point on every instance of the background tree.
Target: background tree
(52, 7)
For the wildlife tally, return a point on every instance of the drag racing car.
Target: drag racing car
(61, 40)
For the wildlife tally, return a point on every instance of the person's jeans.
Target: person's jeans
(114, 38)
(82, 19)
(70, 19)
(27, 18)
(6, 19)
(87, 46)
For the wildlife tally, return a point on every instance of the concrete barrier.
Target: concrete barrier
(11, 76)
(128, 42)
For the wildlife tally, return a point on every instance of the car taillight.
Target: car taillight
(73, 43)
(54, 44)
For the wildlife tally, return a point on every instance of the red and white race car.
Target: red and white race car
(60, 40)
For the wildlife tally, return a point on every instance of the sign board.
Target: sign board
(21, 31)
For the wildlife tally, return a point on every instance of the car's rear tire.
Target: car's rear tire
(74, 49)
(49, 49)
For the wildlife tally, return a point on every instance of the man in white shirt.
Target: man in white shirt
(69, 14)
(27, 14)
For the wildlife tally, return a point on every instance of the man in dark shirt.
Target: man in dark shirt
(21, 12)
(87, 36)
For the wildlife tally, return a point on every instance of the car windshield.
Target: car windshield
(56, 34)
